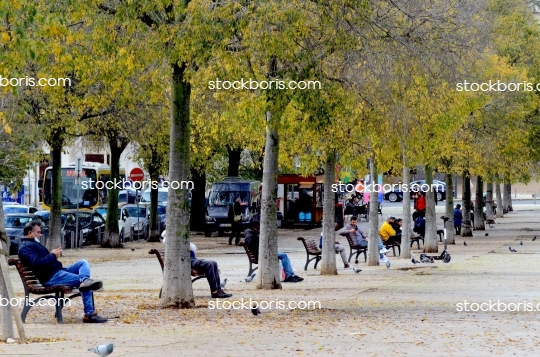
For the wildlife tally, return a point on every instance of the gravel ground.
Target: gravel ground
(405, 310)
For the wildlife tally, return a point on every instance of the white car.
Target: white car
(136, 219)
(17, 208)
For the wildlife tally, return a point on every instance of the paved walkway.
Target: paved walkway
(406, 310)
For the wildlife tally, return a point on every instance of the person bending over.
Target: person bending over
(387, 233)
(50, 271)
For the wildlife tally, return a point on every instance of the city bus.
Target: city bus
(88, 198)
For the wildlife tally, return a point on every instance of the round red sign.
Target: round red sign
(136, 174)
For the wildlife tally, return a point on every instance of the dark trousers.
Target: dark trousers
(458, 229)
(210, 269)
(236, 230)
(396, 238)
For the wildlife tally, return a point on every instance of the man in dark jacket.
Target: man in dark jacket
(458, 219)
(50, 272)
(235, 212)
(252, 241)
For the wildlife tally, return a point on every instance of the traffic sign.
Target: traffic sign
(136, 174)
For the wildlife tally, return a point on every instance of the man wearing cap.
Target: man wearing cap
(387, 233)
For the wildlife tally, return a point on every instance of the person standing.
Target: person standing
(458, 219)
(235, 218)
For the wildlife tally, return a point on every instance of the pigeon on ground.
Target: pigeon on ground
(102, 350)
(255, 310)
(534, 238)
(426, 259)
(487, 234)
(224, 283)
(249, 279)
(464, 243)
(512, 249)
(415, 261)
(357, 271)
(520, 242)
(132, 249)
(388, 265)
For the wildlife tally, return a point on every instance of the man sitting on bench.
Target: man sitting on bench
(252, 241)
(360, 239)
(50, 272)
(387, 233)
(208, 267)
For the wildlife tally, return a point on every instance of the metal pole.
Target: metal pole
(138, 214)
(77, 214)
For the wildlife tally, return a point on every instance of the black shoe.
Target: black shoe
(290, 279)
(90, 284)
(221, 294)
(93, 319)
(298, 278)
(230, 241)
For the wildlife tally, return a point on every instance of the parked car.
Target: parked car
(162, 217)
(137, 218)
(17, 208)
(15, 223)
(396, 194)
(124, 226)
(163, 194)
(91, 226)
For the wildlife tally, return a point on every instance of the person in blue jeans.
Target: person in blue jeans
(359, 238)
(252, 241)
(50, 271)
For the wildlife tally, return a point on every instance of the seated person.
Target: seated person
(50, 272)
(359, 238)
(396, 224)
(252, 241)
(208, 267)
(339, 249)
(387, 233)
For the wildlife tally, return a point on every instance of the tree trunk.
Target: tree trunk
(450, 230)
(489, 203)
(6, 323)
(177, 287)
(117, 145)
(268, 277)
(328, 262)
(198, 200)
(479, 205)
(234, 161)
(373, 242)
(55, 225)
(507, 197)
(406, 230)
(466, 224)
(431, 242)
(499, 200)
